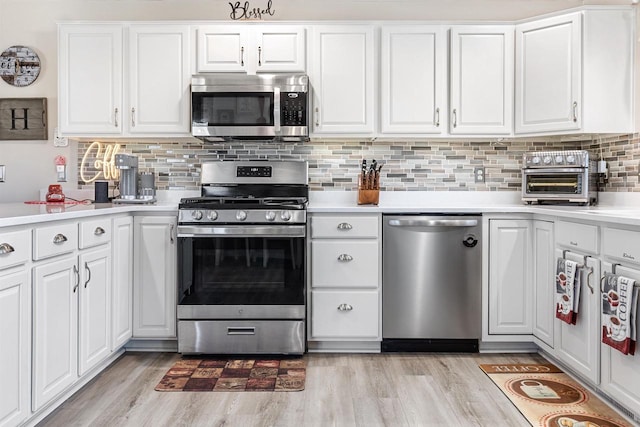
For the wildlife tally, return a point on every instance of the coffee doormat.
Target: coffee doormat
(548, 397)
(234, 375)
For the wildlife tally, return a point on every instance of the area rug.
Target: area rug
(234, 375)
(548, 397)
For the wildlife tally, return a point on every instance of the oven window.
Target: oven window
(554, 184)
(241, 271)
(233, 109)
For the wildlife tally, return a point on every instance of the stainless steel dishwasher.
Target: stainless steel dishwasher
(432, 277)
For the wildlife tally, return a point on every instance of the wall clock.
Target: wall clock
(19, 66)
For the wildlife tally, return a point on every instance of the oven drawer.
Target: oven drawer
(341, 226)
(577, 236)
(341, 263)
(241, 337)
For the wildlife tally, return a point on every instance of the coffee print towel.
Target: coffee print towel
(567, 290)
(619, 305)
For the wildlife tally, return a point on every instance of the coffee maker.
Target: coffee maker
(128, 167)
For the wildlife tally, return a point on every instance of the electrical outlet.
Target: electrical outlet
(2, 173)
(478, 174)
(58, 140)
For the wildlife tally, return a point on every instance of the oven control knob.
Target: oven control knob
(535, 160)
(571, 159)
(285, 215)
(547, 160)
(197, 215)
(212, 216)
(241, 215)
(559, 160)
(270, 216)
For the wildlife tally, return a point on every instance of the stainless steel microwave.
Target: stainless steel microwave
(259, 107)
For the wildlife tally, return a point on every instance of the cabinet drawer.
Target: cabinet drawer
(95, 232)
(621, 244)
(54, 240)
(577, 236)
(14, 248)
(342, 314)
(340, 226)
(344, 263)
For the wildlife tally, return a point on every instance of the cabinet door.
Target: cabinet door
(154, 292)
(510, 290)
(159, 97)
(621, 373)
(95, 308)
(578, 345)
(549, 74)
(543, 282)
(15, 351)
(342, 79)
(90, 79)
(222, 48)
(413, 79)
(481, 80)
(55, 328)
(280, 48)
(122, 284)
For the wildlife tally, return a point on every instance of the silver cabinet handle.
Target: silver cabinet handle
(99, 231)
(437, 117)
(345, 257)
(115, 116)
(575, 111)
(259, 56)
(317, 114)
(6, 248)
(59, 238)
(242, 56)
(345, 226)
(86, 267)
(133, 116)
(77, 273)
(345, 307)
(455, 118)
(171, 233)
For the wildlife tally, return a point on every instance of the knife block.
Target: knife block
(368, 196)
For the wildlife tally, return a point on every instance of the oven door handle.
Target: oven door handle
(242, 231)
(533, 171)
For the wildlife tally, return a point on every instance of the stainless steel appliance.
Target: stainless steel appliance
(132, 191)
(240, 106)
(241, 259)
(431, 283)
(559, 177)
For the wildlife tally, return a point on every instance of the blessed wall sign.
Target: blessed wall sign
(244, 11)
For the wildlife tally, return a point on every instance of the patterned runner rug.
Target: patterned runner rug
(204, 374)
(548, 397)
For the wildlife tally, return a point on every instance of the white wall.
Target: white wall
(30, 166)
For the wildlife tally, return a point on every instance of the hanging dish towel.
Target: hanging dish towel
(619, 306)
(567, 290)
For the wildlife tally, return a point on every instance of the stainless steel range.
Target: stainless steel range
(241, 265)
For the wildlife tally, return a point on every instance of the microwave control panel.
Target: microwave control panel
(293, 109)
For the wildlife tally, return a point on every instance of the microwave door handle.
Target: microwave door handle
(276, 110)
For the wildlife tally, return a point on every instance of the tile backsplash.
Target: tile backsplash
(435, 165)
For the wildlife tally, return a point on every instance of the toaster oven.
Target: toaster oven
(559, 177)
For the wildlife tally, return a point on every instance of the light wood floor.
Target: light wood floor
(389, 389)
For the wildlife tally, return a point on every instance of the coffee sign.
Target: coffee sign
(98, 162)
(244, 12)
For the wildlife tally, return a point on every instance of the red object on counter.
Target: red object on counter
(55, 195)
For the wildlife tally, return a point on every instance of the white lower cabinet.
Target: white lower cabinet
(15, 351)
(155, 258)
(122, 282)
(55, 328)
(543, 282)
(510, 290)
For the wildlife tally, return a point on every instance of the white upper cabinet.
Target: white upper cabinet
(159, 78)
(481, 80)
(147, 96)
(413, 79)
(342, 77)
(90, 79)
(242, 48)
(574, 73)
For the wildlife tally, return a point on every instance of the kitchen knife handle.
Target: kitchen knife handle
(345, 257)
(345, 226)
(345, 307)
(437, 117)
(59, 238)
(6, 248)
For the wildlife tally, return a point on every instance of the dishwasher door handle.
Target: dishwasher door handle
(433, 222)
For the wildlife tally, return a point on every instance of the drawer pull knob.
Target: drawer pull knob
(345, 307)
(628, 256)
(59, 238)
(344, 226)
(99, 231)
(572, 243)
(6, 248)
(345, 257)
